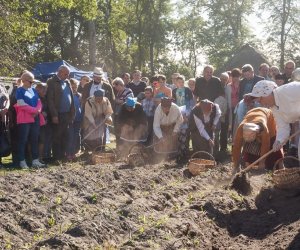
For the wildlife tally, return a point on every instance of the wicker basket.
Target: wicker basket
(101, 157)
(286, 178)
(197, 165)
(135, 157)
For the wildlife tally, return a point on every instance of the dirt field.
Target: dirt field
(78, 206)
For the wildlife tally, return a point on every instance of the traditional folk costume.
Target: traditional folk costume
(133, 122)
(167, 125)
(255, 137)
(203, 119)
(96, 115)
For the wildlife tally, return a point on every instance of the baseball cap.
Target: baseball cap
(263, 88)
(99, 93)
(130, 102)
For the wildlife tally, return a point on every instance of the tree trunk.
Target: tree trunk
(92, 42)
(282, 34)
(139, 35)
(152, 35)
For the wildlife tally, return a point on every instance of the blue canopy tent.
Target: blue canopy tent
(43, 71)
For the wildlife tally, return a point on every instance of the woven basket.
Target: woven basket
(135, 157)
(286, 178)
(100, 157)
(197, 165)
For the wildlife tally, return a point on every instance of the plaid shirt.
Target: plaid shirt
(148, 107)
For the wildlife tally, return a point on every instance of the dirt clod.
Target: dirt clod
(241, 184)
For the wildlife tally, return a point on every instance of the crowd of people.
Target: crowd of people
(54, 121)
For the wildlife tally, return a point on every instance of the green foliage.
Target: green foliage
(17, 31)
(156, 36)
(226, 28)
(282, 24)
(51, 221)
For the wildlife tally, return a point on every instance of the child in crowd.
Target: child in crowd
(149, 109)
(183, 97)
(160, 89)
(41, 89)
(74, 140)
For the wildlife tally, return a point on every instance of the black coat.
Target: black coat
(210, 89)
(109, 93)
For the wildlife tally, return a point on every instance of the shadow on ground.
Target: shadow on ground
(274, 209)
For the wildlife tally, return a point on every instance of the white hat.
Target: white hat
(263, 88)
(98, 72)
(251, 127)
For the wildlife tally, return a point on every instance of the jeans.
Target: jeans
(74, 138)
(29, 132)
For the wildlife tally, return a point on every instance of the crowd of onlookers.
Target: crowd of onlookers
(53, 121)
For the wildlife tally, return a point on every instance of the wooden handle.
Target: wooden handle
(268, 153)
(92, 131)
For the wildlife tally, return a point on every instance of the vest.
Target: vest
(197, 111)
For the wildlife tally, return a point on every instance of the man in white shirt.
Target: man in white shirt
(284, 101)
(166, 126)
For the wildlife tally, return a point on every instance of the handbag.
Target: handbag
(5, 148)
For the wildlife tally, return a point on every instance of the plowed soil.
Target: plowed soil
(161, 206)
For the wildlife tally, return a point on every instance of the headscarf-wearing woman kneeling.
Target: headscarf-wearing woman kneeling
(203, 121)
(254, 138)
(98, 112)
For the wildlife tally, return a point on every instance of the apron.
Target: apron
(130, 136)
(96, 138)
(170, 145)
(251, 152)
(252, 147)
(134, 134)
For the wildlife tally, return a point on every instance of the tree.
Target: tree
(282, 24)
(189, 38)
(226, 28)
(17, 31)
(65, 37)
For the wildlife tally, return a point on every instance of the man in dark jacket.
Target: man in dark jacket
(137, 85)
(96, 84)
(288, 70)
(208, 86)
(61, 110)
(248, 81)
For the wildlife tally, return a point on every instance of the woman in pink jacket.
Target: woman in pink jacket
(29, 120)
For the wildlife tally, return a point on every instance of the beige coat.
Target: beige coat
(94, 115)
